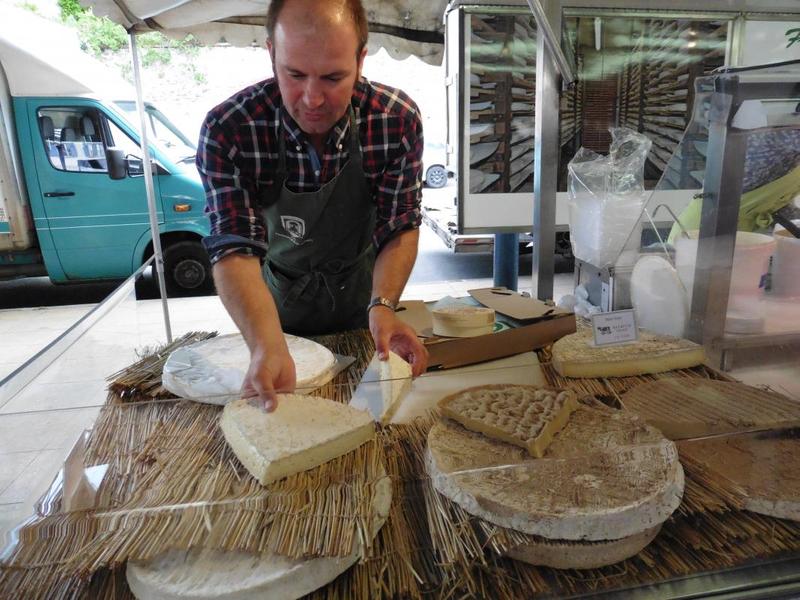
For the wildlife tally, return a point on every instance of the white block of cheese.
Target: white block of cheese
(303, 432)
(462, 320)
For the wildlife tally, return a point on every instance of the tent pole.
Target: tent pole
(148, 184)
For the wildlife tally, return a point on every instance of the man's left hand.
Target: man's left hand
(390, 333)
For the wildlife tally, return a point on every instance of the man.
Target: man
(316, 172)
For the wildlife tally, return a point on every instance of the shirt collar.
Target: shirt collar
(335, 137)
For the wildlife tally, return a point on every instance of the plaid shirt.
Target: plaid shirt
(238, 156)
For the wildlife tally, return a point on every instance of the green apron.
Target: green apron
(321, 256)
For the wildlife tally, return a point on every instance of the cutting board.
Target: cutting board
(429, 388)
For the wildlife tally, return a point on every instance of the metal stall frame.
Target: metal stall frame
(722, 191)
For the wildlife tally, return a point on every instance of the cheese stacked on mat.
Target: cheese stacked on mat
(303, 432)
(600, 493)
(576, 355)
(521, 415)
(213, 370)
(205, 574)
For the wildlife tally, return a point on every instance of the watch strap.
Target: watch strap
(381, 301)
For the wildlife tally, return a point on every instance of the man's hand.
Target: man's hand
(271, 370)
(390, 333)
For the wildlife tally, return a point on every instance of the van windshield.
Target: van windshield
(161, 131)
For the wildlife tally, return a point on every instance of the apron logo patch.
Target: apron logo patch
(295, 229)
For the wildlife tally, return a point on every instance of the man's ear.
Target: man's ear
(361, 58)
(271, 53)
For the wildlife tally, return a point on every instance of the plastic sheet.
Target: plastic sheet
(606, 195)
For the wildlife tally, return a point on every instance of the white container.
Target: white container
(786, 264)
(748, 278)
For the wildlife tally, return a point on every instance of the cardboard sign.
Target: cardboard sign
(615, 327)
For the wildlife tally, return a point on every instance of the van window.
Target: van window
(72, 139)
(119, 139)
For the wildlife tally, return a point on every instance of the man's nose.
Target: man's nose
(313, 95)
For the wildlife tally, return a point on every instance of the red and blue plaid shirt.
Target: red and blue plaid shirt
(238, 155)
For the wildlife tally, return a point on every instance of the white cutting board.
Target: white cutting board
(428, 389)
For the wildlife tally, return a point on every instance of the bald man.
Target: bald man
(313, 182)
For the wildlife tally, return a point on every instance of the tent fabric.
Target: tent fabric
(403, 28)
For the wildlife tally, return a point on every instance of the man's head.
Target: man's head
(317, 49)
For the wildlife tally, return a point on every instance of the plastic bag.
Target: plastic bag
(606, 196)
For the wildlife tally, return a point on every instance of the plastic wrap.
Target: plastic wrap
(606, 195)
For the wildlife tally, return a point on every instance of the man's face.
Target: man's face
(316, 68)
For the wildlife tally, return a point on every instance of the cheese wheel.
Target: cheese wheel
(212, 371)
(463, 321)
(605, 476)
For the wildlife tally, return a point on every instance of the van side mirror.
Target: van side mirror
(117, 165)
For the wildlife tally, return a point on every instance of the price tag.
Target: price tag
(615, 327)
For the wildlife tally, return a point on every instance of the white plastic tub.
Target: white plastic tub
(786, 264)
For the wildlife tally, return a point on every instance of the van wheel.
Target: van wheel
(436, 176)
(187, 269)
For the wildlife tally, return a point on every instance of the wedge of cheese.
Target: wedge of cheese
(523, 415)
(462, 321)
(576, 355)
(303, 432)
(395, 384)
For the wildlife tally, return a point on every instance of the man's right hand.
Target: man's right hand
(271, 371)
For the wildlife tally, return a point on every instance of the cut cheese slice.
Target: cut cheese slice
(522, 415)
(606, 476)
(213, 370)
(689, 407)
(463, 320)
(576, 355)
(395, 384)
(303, 432)
(204, 574)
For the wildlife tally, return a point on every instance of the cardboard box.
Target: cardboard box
(532, 324)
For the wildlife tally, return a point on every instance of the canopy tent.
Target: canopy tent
(411, 27)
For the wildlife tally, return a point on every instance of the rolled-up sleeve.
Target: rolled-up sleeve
(399, 189)
(231, 203)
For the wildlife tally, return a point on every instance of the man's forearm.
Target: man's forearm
(242, 290)
(394, 264)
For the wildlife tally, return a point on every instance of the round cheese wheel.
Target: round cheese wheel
(212, 371)
(605, 476)
(462, 321)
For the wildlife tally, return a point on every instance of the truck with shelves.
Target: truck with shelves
(73, 204)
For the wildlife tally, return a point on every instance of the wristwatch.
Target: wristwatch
(381, 301)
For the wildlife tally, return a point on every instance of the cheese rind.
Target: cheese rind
(576, 356)
(522, 415)
(212, 371)
(463, 321)
(563, 554)
(606, 476)
(303, 432)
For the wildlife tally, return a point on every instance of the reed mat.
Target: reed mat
(173, 482)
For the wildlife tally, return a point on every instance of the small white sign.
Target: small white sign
(615, 327)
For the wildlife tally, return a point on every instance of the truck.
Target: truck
(73, 204)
